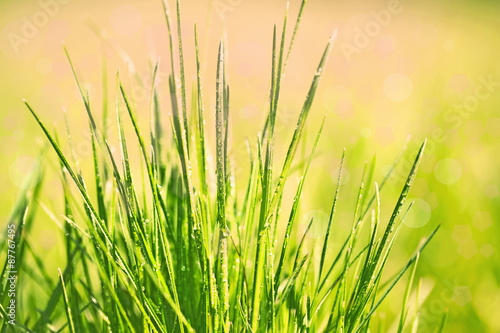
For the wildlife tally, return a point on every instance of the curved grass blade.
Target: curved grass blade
(66, 303)
(301, 122)
(294, 210)
(398, 277)
(332, 214)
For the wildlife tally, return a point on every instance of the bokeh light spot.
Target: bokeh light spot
(365, 132)
(384, 135)
(338, 98)
(482, 220)
(491, 191)
(47, 239)
(125, 20)
(487, 250)
(461, 233)
(448, 171)
(419, 215)
(468, 249)
(461, 295)
(345, 175)
(493, 127)
(319, 225)
(385, 45)
(448, 45)
(474, 129)
(247, 57)
(398, 87)
(21, 169)
(18, 135)
(249, 111)
(456, 89)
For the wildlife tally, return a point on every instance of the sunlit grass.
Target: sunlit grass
(169, 255)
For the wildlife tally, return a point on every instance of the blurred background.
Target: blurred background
(398, 68)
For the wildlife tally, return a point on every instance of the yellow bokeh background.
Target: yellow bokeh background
(421, 68)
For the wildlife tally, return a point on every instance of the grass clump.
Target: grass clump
(169, 255)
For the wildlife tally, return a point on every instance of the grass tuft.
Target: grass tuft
(169, 255)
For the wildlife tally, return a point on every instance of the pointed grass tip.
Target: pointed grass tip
(334, 35)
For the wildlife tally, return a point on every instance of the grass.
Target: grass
(169, 255)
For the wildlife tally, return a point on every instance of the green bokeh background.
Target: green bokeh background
(421, 72)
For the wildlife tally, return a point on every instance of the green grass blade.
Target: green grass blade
(295, 29)
(404, 310)
(154, 189)
(442, 324)
(398, 277)
(185, 133)
(301, 122)
(330, 220)
(291, 282)
(66, 303)
(266, 190)
(294, 210)
(221, 121)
